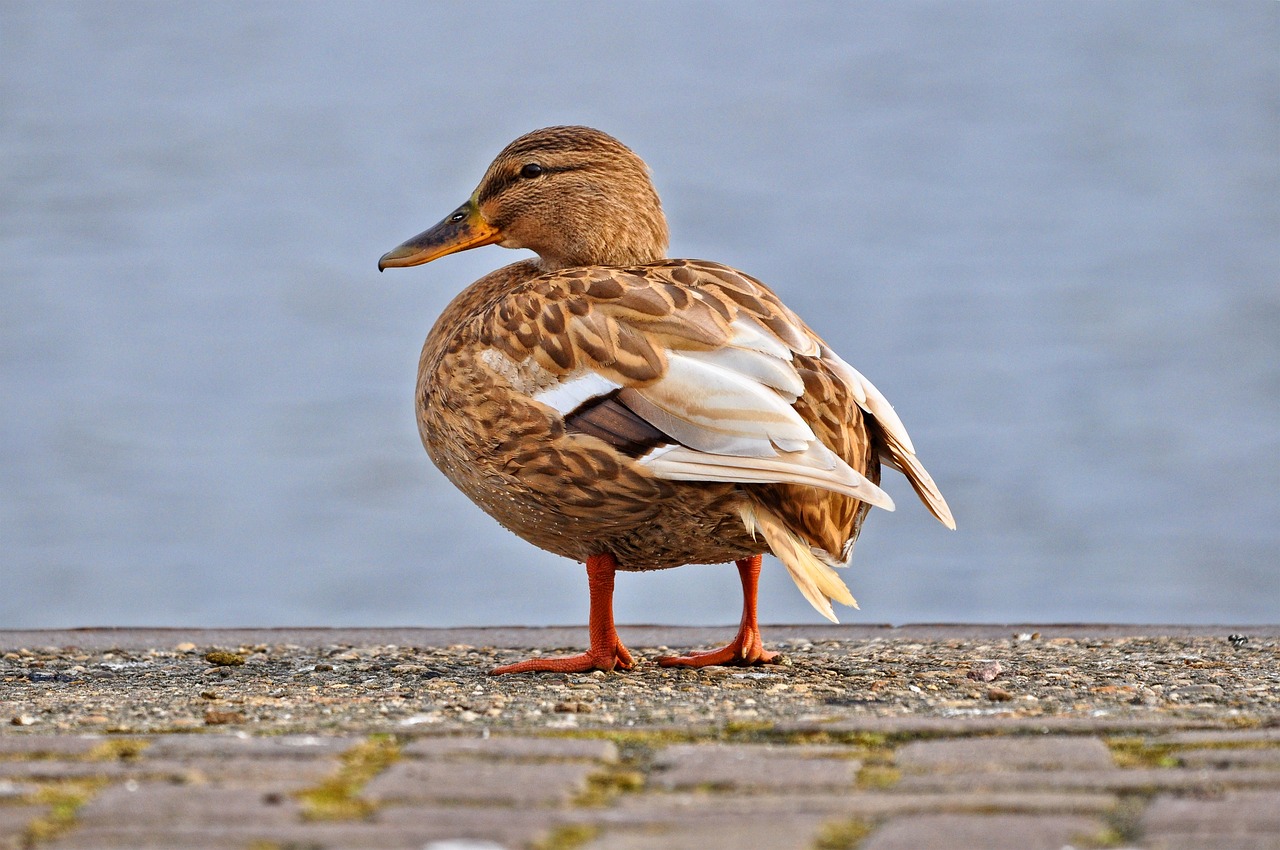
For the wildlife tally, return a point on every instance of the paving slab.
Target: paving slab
(516, 827)
(288, 774)
(248, 746)
(764, 766)
(521, 749)
(1224, 737)
(1223, 758)
(708, 830)
(359, 836)
(1224, 842)
(52, 770)
(1138, 780)
(985, 832)
(1058, 752)
(14, 821)
(44, 746)
(875, 805)
(480, 782)
(1238, 814)
(143, 807)
(198, 838)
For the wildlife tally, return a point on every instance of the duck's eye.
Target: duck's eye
(531, 170)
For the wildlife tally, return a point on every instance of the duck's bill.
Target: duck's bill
(464, 228)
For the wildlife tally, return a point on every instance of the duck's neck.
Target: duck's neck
(611, 234)
(609, 254)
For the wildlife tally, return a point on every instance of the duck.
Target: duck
(635, 412)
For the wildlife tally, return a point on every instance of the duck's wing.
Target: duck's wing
(686, 367)
(697, 372)
(689, 367)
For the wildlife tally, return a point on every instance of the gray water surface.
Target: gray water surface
(1049, 232)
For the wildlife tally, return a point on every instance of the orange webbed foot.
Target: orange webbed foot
(747, 648)
(606, 652)
(618, 658)
(744, 651)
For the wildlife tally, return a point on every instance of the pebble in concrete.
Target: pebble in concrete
(1004, 724)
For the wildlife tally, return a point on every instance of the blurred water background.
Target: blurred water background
(1049, 232)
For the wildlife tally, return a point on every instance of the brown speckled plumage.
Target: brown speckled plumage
(602, 399)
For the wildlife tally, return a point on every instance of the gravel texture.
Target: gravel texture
(158, 681)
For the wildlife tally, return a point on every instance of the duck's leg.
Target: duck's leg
(606, 650)
(747, 648)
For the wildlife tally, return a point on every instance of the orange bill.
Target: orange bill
(464, 228)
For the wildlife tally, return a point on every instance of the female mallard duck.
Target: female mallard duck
(637, 413)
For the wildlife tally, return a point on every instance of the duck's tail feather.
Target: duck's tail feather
(818, 582)
(893, 454)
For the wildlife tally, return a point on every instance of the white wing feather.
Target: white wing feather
(707, 404)
(678, 463)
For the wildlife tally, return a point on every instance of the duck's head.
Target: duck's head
(575, 195)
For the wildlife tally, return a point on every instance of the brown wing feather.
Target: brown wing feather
(620, 321)
(609, 419)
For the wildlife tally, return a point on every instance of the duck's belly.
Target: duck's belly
(572, 494)
(689, 525)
